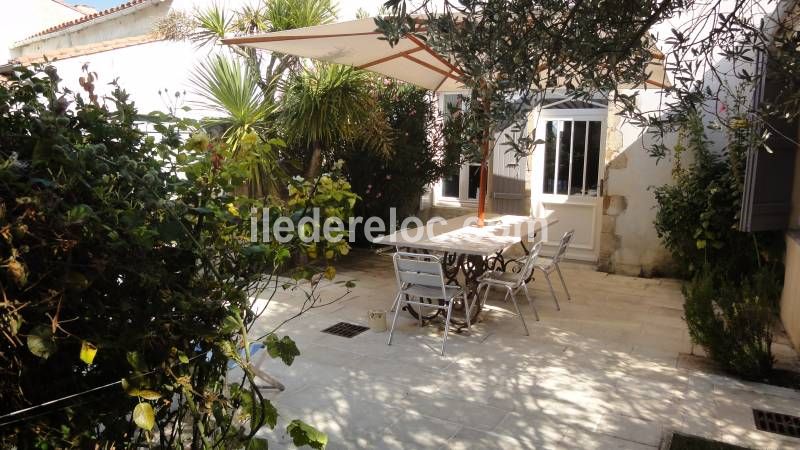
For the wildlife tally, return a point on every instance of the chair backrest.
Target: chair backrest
(418, 269)
(526, 270)
(562, 246)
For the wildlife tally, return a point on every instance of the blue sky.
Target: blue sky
(98, 4)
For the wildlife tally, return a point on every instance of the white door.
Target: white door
(567, 175)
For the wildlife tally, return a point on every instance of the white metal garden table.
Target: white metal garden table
(468, 250)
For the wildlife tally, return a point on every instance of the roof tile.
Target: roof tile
(86, 18)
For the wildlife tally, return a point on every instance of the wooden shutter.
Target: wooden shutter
(767, 196)
(509, 195)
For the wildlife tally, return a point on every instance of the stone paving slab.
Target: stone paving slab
(602, 373)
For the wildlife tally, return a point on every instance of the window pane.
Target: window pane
(593, 157)
(565, 141)
(450, 186)
(578, 156)
(549, 157)
(474, 181)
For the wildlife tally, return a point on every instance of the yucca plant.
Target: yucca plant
(226, 86)
(290, 14)
(332, 104)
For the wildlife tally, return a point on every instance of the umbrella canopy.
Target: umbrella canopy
(357, 43)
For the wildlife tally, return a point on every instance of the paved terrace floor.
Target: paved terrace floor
(603, 372)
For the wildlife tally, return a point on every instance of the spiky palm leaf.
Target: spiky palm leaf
(332, 104)
(212, 24)
(226, 86)
(289, 14)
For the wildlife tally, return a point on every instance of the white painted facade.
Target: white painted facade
(21, 19)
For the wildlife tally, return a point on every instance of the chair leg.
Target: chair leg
(485, 294)
(563, 283)
(519, 313)
(394, 321)
(467, 309)
(447, 324)
(530, 302)
(552, 291)
(396, 301)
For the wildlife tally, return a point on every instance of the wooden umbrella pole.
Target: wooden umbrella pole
(484, 175)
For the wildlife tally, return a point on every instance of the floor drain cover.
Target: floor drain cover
(777, 423)
(345, 329)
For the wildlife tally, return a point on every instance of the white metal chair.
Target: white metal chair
(512, 282)
(421, 276)
(548, 267)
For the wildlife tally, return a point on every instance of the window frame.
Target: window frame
(463, 199)
(573, 115)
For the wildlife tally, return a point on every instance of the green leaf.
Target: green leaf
(284, 348)
(270, 413)
(88, 352)
(148, 394)
(304, 434)
(143, 416)
(40, 342)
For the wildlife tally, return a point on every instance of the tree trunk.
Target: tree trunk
(315, 164)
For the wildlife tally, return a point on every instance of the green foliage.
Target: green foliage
(732, 319)
(125, 257)
(290, 14)
(505, 50)
(731, 301)
(304, 434)
(226, 86)
(421, 156)
(697, 213)
(331, 195)
(329, 105)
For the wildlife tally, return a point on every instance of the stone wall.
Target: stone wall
(628, 241)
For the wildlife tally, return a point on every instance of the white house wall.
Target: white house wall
(21, 19)
(628, 240)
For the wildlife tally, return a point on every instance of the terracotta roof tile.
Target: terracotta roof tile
(87, 18)
(89, 49)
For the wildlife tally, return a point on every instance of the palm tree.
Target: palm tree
(226, 87)
(331, 104)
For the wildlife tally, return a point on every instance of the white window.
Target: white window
(460, 188)
(572, 157)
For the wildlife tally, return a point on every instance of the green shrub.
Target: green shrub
(420, 154)
(125, 265)
(732, 319)
(735, 277)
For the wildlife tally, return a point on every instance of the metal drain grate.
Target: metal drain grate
(345, 329)
(777, 423)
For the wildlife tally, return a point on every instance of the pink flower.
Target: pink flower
(388, 177)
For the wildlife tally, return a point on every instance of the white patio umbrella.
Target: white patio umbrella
(357, 43)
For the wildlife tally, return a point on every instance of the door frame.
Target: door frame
(540, 200)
